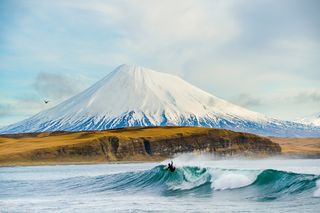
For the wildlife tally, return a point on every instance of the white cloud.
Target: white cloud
(265, 49)
(46, 86)
(164, 35)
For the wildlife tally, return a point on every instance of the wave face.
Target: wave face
(262, 185)
(268, 184)
(142, 190)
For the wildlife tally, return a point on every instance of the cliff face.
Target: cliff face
(134, 144)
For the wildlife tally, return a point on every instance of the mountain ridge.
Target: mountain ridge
(311, 120)
(135, 96)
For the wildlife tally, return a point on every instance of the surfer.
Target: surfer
(171, 167)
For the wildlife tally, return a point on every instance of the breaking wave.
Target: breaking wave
(260, 185)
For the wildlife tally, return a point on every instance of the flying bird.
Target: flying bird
(46, 101)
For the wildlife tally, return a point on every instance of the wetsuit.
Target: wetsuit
(171, 167)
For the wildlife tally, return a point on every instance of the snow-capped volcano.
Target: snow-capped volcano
(311, 120)
(137, 96)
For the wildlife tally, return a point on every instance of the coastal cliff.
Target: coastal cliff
(130, 144)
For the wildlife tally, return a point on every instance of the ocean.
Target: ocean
(199, 184)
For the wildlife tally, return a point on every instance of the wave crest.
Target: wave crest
(261, 185)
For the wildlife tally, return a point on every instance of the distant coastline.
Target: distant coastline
(298, 147)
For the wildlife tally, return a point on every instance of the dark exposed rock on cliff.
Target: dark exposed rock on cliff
(133, 144)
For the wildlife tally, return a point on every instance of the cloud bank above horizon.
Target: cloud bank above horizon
(263, 55)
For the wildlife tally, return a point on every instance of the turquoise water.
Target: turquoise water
(200, 184)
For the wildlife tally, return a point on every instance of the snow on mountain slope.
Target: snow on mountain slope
(311, 120)
(136, 96)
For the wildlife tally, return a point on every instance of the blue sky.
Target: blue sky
(263, 55)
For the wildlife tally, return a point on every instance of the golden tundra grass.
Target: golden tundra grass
(298, 146)
(20, 143)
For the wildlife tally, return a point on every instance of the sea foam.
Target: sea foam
(317, 192)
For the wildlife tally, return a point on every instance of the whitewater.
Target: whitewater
(199, 184)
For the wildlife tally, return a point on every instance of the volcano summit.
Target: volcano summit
(136, 96)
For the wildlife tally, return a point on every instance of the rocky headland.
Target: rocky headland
(129, 144)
